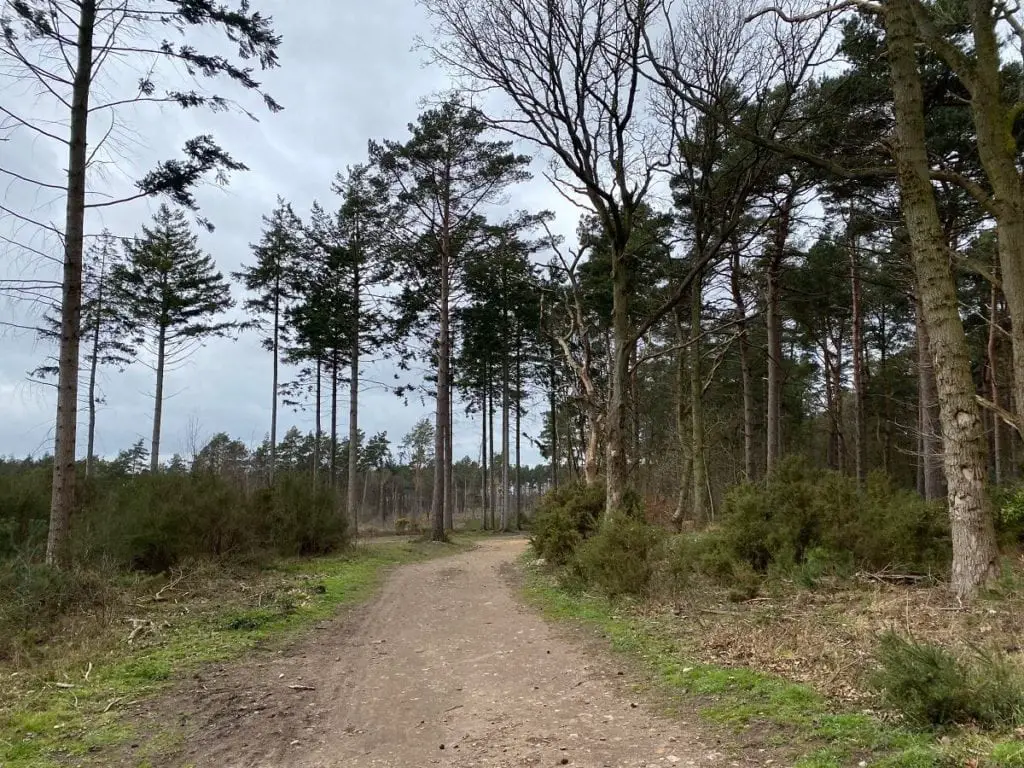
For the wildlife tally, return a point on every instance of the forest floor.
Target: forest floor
(446, 667)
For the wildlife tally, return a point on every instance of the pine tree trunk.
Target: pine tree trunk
(746, 378)
(318, 415)
(698, 462)
(484, 496)
(993, 383)
(773, 300)
(933, 484)
(975, 555)
(276, 351)
(158, 404)
(353, 405)
(682, 425)
(63, 500)
(449, 464)
(492, 485)
(859, 422)
(553, 407)
(504, 439)
(519, 433)
(441, 420)
(334, 422)
(616, 419)
(997, 149)
(94, 362)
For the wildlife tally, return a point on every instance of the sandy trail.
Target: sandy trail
(444, 668)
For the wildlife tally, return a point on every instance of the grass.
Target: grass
(778, 712)
(68, 709)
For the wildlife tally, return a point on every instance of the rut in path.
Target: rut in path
(444, 668)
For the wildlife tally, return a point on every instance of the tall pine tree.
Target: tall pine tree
(172, 297)
(270, 279)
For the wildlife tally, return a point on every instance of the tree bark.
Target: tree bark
(334, 420)
(158, 404)
(553, 409)
(975, 555)
(997, 149)
(94, 362)
(773, 301)
(441, 421)
(860, 437)
(505, 425)
(318, 417)
(993, 384)
(276, 343)
(932, 483)
(450, 496)
(519, 433)
(616, 471)
(484, 496)
(698, 464)
(353, 422)
(746, 378)
(63, 496)
(682, 427)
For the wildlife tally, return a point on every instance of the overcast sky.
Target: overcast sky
(348, 74)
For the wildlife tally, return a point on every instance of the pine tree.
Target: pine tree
(172, 297)
(441, 177)
(271, 279)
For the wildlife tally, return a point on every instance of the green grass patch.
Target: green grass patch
(737, 698)
(56, 717)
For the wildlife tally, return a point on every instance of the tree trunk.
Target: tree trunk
(993, 384)
(334, 420)
(682, 427)
(63, 500)
(997, 149)
(276, 344)
(698, 463)
(94, 362)
(158, 404)
(932, 483)
(746, 378)
(449, 466)
(616, 425)
(505, 412)
(441, 421)
(773, 301)
(553, 406)
(353, 403)
(519, 432)
(318, 416)
(492, 485)
(975, 555)
(484, 496)
(860, 438)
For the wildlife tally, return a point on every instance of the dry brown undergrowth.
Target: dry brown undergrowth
(826, 637)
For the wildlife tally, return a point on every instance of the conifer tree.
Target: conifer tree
(172, 298)
(270, 278)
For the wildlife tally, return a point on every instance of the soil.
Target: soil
(446, 667)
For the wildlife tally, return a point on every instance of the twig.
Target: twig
(88, 672)
(170, 585)
(111, 703)
(302, 687)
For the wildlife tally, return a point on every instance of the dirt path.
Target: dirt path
(445, 668)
